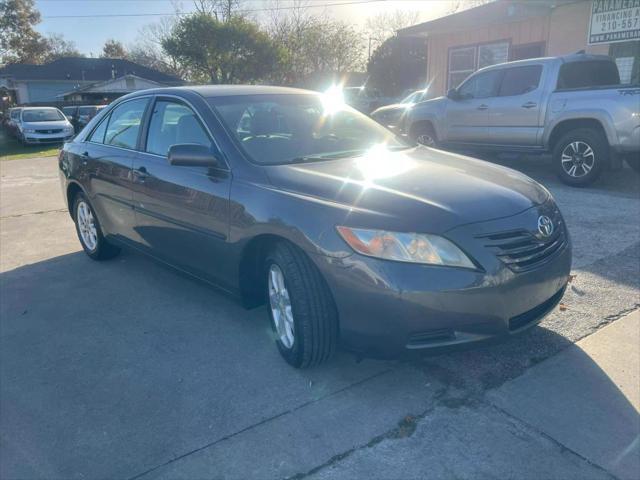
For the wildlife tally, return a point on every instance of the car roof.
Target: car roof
(39, 108)
(230, 90)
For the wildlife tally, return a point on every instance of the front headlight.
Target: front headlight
(405, 247)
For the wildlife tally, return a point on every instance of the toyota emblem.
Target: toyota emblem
(545, 226)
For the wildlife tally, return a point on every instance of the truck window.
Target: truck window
(520, 80)
(592, 73)
(482, 85)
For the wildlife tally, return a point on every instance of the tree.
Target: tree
(222, 10)
(148, 51)
(313, 44)
(398, 64)
(58, 47)
(235, 51)
(113, 49)
(19, 41)
(385, 25)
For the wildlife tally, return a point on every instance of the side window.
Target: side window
(124, 124)
(482, 85)
(520, 80)
(173, 123)
(97, 135)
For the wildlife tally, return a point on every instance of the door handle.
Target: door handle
(140, 175)
(530, 105)
(483, 107)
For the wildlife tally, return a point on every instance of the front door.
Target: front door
(467, 116)
(515, 114)
(182, 213)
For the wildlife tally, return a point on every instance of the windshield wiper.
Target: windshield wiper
(328, 156)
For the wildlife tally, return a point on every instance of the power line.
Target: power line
(254, 10)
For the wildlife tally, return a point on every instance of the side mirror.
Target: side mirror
(453, 94)
(192, 155)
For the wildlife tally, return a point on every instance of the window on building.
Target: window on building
(520, 80)
(463, 61)
(627, 57)
(529, 50)
(492, 54)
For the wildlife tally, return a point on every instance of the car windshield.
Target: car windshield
(42, 115)
(286, 128)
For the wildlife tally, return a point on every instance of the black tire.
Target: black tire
(103, 249)
(425, 134)
(314, 313)
(595, 141)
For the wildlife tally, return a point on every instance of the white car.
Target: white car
(43, 125)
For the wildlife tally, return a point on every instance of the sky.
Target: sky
(89, 34)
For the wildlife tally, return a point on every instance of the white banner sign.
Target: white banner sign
(614, 21)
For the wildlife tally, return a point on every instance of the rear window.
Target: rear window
(595, 73)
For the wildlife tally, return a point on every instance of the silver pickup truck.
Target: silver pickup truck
(573, 107)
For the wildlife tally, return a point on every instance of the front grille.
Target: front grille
(536, 313)
(522, 249)
(57, 130)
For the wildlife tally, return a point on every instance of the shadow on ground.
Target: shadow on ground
(123, 367)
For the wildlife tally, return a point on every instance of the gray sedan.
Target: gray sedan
(351, 236)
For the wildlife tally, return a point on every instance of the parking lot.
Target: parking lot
(127, 369)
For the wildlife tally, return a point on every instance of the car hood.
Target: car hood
(415, 190)
(394, 106)
(46, 125)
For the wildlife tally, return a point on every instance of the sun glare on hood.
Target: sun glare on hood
(376, 163)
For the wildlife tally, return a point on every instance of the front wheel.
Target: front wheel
(89, 232)
(580, 156)
(425, 135)
(302, 312)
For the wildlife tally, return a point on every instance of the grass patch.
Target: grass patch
(11, 149)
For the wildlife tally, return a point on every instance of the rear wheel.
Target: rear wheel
(580, 156)
(89, 232)
(303, 315)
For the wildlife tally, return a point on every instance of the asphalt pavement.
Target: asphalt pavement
(127, 369)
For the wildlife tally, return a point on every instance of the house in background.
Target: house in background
(75, 80)
(505, 30)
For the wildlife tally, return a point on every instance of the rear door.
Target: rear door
(467, 116)
(515, 113)
(182, 213)
(108, 155)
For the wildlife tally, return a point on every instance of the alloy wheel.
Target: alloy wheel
(87, 226)
(280, 303)
(577, 159)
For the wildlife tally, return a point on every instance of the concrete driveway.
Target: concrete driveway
(126, 369)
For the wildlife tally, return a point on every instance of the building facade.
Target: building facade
(506, 30)
(75, 80)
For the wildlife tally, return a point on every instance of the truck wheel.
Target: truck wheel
(303, 316)
(580, 156)
(425, 135)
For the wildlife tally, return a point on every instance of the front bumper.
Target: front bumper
(37, 138)
(386, 308)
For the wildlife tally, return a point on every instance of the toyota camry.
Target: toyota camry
(351, 235)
